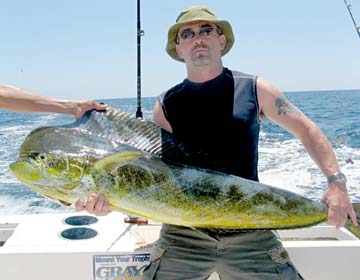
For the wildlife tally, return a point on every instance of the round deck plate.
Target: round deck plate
(83, 220)
(78, 233)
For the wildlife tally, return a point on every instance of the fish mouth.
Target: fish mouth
(29, 173)
(25, 171)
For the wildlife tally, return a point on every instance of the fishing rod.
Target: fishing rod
(348, 6)
(139, 34)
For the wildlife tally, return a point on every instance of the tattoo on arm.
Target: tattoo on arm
(284, 106)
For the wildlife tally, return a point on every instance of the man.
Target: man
(215, 114)
(19, 100)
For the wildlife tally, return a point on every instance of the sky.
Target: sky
(87, 49)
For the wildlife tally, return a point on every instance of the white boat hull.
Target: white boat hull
(32, 248)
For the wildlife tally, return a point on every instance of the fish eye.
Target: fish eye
(36, 155)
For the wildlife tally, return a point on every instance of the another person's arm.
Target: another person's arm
(277, 108)
(19, 100)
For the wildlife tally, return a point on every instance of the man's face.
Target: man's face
(200, 43)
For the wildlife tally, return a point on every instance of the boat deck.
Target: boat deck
(32, 247)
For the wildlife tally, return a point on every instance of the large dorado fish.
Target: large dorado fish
(120, 156)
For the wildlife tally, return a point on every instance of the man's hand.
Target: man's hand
(340, 207)
(95, 204)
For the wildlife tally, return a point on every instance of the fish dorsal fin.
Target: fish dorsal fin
(119, 126)
(114, 161)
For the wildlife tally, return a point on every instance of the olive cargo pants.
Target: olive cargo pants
(185, 253)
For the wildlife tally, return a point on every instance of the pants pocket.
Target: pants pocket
(155, 257)
(284, 267)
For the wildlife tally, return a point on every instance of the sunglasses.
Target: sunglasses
(204, 31)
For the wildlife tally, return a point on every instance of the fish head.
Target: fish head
(54, 173)
(56, 176)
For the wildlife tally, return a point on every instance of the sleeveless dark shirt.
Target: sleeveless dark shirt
(215, 124)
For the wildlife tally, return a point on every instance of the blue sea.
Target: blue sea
(283, 162)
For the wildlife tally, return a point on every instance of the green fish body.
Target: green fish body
(120, 156)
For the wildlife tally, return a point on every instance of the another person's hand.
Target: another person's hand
(340, 207)
(95, 204)
(86, 105)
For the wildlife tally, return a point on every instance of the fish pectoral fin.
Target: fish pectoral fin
(63, 202)
(114, 161)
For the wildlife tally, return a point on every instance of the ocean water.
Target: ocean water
(283, 162)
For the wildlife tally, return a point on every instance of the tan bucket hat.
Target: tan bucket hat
(193, 14)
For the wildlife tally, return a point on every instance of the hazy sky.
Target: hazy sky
(87, 49)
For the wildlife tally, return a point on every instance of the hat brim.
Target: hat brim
(224, 25)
